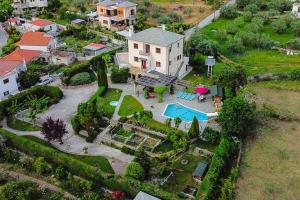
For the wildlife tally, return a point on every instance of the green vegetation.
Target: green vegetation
(103, 102)
(135, 170)
(20, 125)
(130, 106)
(82, 78)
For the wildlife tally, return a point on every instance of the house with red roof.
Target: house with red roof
(38, 41)
(41, 24)
(9, 72)
(23, 55)
(94, 49)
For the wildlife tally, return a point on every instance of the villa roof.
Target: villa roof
(117, 3)
(144, 196)
(126, 4)
(7, 66)
(157, 36)
(34, 39)
(94, 46)
(200, 169)
(155, 78)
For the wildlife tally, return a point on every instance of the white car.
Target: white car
(45, 80)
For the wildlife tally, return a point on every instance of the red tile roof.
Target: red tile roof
(34, 39)
(21, 55)
(41, 22)
(7, 66)
(99, 46)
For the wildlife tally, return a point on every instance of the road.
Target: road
(209, 19)
(3, 36)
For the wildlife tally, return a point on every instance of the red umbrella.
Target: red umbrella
(201, 90)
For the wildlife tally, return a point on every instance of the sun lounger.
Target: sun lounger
(178, 94)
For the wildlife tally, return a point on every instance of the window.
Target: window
(5, 81)
(157, 64)
(170, 49)
(170, 62)
(135, 45)
(101, 10)
(105, 22)
(178, 44)
(147, 48)
(157, 50)
(179, 57)
(136, 59)
(6, 93)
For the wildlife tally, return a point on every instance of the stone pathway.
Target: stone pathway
(41, 183)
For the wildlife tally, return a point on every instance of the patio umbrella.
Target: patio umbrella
(201, 90)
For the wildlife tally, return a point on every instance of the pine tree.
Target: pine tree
(194, 130)
(101, 74)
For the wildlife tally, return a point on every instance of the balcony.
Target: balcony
(144, 53)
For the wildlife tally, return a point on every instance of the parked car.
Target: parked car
(45, 80)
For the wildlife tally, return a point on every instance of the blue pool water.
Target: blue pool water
(114, 103)
(184, 113)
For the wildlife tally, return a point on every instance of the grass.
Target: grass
(164, 147)
(96, 161)
(196, 79)
(184, 174)
(124, 133)
(276, 151)
(205, 145)
(103, 102)
(21, 125)
(129, 106)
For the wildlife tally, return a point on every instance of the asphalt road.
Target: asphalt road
(3, 36)
(205, 21)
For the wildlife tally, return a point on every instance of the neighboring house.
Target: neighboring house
(200, 170)
(156, 49)
(20, 6)
(144, 196)
(62, 57)
(9, 72)
(23, 55)
(93, 49)
(41, 24)
(116, 14)
(39, 41)
(296, 9)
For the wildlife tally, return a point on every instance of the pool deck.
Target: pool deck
(159, 108)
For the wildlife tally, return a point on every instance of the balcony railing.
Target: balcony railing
(143, 53)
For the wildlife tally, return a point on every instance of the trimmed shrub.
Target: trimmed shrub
(135, 170)
(194, 131)
(119, 75)
(82, 78)
(73, 70)
(75, 122)
(228, 12)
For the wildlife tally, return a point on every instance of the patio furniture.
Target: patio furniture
(201, 90)
(186, 96)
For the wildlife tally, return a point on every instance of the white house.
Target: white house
(41, 24)
(144, 196)
(296, 9)
(9, 71)
(20, 6)
(38, 41)
(156, 49)
(94, 49)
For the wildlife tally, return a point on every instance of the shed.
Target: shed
(78, 22)
(200, 170)
(216, 91)
(144, 196)
(93, 49)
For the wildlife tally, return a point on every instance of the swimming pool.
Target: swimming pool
(184, 113)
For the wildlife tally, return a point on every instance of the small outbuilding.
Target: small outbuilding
(62, 57)
(94, 49)
(296, 9)
(78, 22)
(200, 170)
(144, 196)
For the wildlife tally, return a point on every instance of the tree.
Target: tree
(5, 9)
(236, 45)
(41, 166)
(53, 5)
(295, 26)
(194, 130)
(54, 130)
(135, 170)
(87, 115)
(236, 116)
(160, 90)
(177, 121)
(28, 78)
(279, 26)
(101, 74)
(20, 189)
(168, 122)
(142, 157)
(179, 139)
(210, 135)
(36, 106)
(227, 191)
(232, 77)
(228, 12)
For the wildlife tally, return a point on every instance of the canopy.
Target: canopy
(201, 90)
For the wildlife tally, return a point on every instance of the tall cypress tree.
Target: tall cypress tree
(194, 129)
(101, 74)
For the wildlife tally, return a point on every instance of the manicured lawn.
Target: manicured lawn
(129, 106)
(184, 174)
(205, 145)
(96, 161)
(21, 125)
(104, 101)
(196, 79)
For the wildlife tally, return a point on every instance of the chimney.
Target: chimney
(130, 31)
(163, 27)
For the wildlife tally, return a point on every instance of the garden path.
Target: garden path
(41, 183)
(206, 21)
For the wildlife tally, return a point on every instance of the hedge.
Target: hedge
(77, 167)
(39, 91)
(82, 78)
(219, 167)
(73, 70)
(119, 75)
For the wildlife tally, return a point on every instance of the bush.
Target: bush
(210, 135)
(235, 45)
(41, 166)
(194, 129)
(221, 34)
(73, 70)
(119, 75)
(253, 8)
(247, 16)
(295, 26)
(135, 170)
(75, 122)
(295, 75)
(228, 12)
(127, 150)
(82, 78)
(279, 26)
